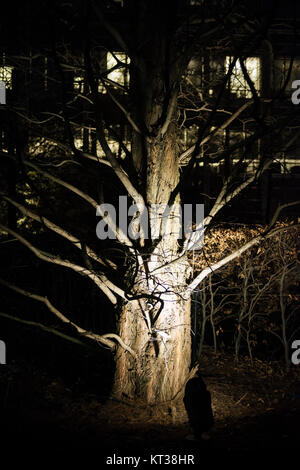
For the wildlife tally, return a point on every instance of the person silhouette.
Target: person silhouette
(197, 402)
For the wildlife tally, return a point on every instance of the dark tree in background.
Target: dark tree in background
(139, 100)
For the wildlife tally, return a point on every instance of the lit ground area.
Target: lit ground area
(256, 409)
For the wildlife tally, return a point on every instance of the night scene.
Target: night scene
(150, 232)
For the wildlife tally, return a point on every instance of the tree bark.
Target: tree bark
(163, 344)
(155, 321)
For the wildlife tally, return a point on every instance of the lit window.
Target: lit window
(195, 71)
(6, 76)
(79, 138)
(79, 83)
(117, 63)
(101, 87)
(238, 83)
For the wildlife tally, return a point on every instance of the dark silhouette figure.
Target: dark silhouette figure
(197, 401)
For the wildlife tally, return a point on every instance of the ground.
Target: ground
(256, 408)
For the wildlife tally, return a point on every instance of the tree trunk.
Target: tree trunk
(156, 322)
(162, 345)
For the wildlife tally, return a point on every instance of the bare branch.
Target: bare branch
(121, 107)
(59, 230)
(170, 112)
(43, 327)
(95, 158)
(121, 343)
(255, 241)
(115, 164)
(210, 269)
(223, 126)
(120, 235)
(104, 339)
(223, 198)
(66, 149)
(278, 210)
(118, 169)
(220, 202)
(100, 280)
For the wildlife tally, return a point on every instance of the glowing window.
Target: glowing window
(238, 83)
(6, 76)
(79, 83)
(118, 63)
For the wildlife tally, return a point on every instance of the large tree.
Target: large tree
(68, 144)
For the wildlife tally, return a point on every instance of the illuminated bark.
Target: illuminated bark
(162, 345)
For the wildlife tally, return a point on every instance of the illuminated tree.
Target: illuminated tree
(115, 123)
